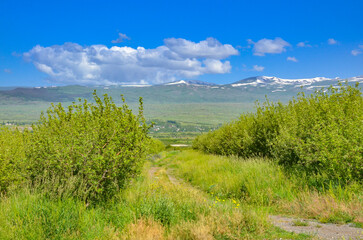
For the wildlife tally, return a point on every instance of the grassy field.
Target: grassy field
(183, 195)
(262, 184)
(152, 207)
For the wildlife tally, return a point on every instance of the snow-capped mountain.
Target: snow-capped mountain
(356, 79)
(281, 84)
(183, 91)
(189, 82)
(270, 81)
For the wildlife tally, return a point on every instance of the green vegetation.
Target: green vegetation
(90, 151)
(151, 208)
(95, 147)
(80, 172)
(300, 223)
(155, 146)
(262, 184)
(254, 180)
(318, 135)
(11, 158)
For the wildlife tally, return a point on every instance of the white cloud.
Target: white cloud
(98, 64)
(209, 48)
(7, 70)
(216, 66)
(293, 59)
(356, 52)
(303, 44)
(332, 41)
(121, 38)
(273, 46)
(258, 68)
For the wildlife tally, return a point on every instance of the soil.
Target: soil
(319, 230)
(171, 177)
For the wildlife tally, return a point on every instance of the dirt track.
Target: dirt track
(314, 228)
(319, 230)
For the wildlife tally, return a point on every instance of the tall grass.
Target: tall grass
(255, 180)
(262, 183)
(152, 208)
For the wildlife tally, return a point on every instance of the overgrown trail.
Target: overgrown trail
(153, 170)
(315, 229)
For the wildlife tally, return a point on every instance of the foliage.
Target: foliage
(11, 157)
(320, 134)
(90, 150)
(155, 146)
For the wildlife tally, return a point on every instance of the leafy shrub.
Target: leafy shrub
(11, 157)
(90, 151)
(320, 134)
(155, 146)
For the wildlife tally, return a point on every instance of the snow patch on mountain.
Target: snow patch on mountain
(356, 79)
(189, 82)
(266, 80)
(181, 82)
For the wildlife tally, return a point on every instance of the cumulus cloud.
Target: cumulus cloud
(332, 41)
(272, 46)
(98, 64)
(258, 68)
(292, 59)
(303, 44)
(356, 52)
(121, 38)
(209, 48)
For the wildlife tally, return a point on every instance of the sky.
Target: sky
(45, 43)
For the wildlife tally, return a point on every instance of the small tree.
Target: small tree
(90, 151)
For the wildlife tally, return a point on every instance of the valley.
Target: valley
(193, 106)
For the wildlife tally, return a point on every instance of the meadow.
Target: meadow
(96, 170)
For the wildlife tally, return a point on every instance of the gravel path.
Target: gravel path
(320, 230)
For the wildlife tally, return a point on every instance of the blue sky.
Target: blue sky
(110, 42)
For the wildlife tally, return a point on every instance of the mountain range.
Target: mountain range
(181, 91)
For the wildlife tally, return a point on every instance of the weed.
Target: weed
(300, 223)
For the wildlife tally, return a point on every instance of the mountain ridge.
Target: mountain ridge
(182, 91)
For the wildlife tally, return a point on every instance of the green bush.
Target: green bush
(320, 134)
(11, 157)
(155, 146)
(89, 151)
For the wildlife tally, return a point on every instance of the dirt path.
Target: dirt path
(314, 228)
(152, 171)
(172, 179)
